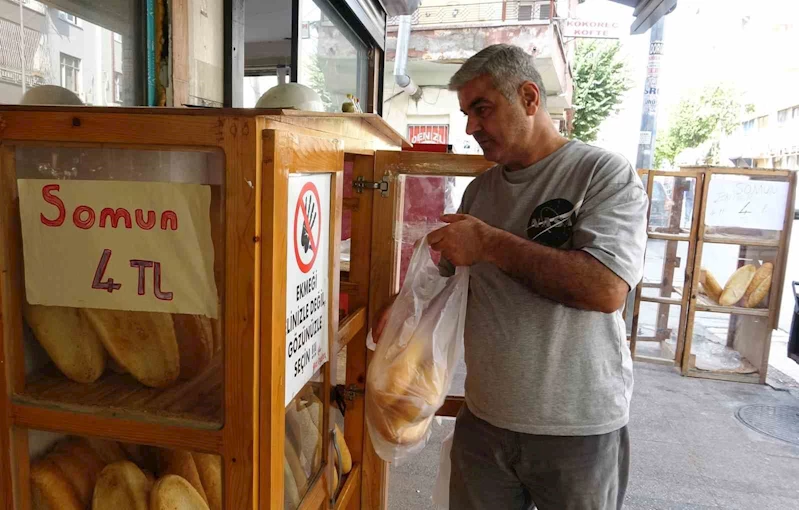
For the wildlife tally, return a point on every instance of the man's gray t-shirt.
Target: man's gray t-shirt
(533, 365)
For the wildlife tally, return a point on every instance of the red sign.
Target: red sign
(438, 134)
(307, 238)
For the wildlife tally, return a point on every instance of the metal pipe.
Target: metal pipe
(22, 42)
(401, 77)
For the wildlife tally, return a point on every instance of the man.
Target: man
(555, 236)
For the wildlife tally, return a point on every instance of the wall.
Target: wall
(206, 52)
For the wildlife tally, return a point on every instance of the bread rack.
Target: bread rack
(674, 322)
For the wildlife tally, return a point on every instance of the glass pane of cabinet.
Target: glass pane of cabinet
(123, 256)
(75, 472)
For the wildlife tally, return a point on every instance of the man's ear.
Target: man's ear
(531, 97)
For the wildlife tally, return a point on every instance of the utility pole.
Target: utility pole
(646, 141)
(22, 42)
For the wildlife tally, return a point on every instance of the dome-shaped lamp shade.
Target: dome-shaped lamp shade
(50, 95)
(291, 95)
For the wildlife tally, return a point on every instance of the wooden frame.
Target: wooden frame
(690, 300)
(231, 135)
(771, 314)
(261, 149)
(384, 283)
(672, 237)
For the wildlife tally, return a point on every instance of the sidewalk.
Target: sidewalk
(689, 452)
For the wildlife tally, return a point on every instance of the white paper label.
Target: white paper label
(746, 204)
(307, 284)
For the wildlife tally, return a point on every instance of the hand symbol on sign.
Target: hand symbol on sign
(310, 209)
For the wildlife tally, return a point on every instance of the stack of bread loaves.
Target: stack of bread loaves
(748, 286)
(403, 400)
(82, 474)
(303, 447)
(155, 348)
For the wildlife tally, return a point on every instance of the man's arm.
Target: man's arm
(571, 277)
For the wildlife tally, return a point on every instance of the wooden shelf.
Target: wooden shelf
(741, 240)
(703, 304)
(351, 487)
(652, 359)
(661, 300)
(724, 376)
(196, 403)
(668, 237)
(351, 326)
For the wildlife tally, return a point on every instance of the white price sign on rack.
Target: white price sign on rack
(755, 204)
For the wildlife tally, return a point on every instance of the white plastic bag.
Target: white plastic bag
(416, 357)
(441, 489)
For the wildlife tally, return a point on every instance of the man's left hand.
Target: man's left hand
(465, 241)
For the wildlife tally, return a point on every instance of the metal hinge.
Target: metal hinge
(353, 391)
(361, 184)
(340, 395)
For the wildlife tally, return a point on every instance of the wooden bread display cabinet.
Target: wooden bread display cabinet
(717, 250)
(177, 321)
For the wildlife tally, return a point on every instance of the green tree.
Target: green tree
(600, 81)
(715, 113)
(317, 81)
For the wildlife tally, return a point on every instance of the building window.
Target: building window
(762, 122)
(117, 37)
(118, 87)
(332, 60)
(69, 18)
(783, 116)
(749, 126)
(70, 73)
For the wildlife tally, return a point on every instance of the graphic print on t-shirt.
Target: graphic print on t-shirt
(551, 222)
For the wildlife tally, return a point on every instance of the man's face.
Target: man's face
(499, 126)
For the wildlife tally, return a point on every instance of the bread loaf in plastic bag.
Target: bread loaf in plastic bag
(416, 357)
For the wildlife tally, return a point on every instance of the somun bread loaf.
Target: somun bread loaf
(172, 492)
(209, 467)
(711, 285)
(122, 486)
(195, 337)
(760, 285)
(142, 343)
(50, 488)
(405, 397)
(181, 463)
(737, 284)
(69, 340)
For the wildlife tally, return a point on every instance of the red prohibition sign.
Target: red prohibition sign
(309, 186)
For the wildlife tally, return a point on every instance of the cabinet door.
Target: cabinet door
(301, 203)
(422, 187)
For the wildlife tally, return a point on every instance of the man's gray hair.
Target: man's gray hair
(508, 66)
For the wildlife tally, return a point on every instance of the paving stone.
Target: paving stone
(689, 452)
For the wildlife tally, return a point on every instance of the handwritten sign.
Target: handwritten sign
(307, 283)
(139, 246)
(752, 204)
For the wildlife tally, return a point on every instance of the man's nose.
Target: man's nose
(472, 125)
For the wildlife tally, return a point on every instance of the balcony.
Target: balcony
(33, 5)
(508, 12)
